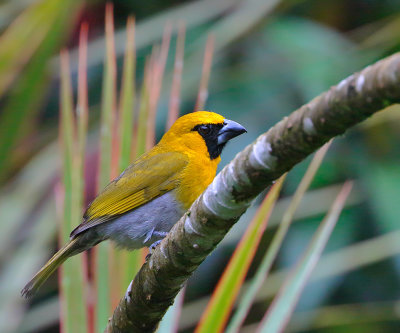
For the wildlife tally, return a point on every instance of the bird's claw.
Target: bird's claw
(151, 249)
(154, 245)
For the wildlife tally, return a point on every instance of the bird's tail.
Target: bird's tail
(33, 285)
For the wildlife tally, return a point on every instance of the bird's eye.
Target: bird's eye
(204, 129)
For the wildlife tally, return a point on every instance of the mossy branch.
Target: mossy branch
(212, 215)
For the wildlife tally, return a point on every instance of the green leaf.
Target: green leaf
(220, 305)
(141, 132)
(270, 256)
(72, 280)
(127, 98)
(107, 123)
(38, 31)
(284, 303)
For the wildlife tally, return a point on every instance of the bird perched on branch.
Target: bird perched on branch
(140, 206)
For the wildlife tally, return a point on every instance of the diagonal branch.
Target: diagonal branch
(212, 215)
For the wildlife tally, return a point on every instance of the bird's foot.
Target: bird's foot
(151, 249)
(158, 234)
(154, 245)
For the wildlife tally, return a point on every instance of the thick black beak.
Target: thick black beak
(230, 130)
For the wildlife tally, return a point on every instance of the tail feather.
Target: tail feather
(33, 285)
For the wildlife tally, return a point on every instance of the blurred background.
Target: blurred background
(269, 58)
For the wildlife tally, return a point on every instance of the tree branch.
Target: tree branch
(212, 215)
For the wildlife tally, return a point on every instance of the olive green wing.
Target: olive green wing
(147, 178)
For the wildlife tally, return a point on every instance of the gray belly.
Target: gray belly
(142, 226)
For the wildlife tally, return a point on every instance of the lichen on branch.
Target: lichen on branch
(275, 152)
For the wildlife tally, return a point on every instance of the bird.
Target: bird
(139, 207)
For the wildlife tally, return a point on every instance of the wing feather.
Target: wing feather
(147, 178)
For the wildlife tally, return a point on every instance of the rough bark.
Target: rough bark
(255, 168)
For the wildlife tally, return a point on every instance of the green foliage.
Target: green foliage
(283, 305)
(38, 32)
(70, 200)
(108, 111)
(217, 312)
(271, 254)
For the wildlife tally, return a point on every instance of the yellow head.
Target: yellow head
(202, 132)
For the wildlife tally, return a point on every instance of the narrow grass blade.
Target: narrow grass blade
(174, 101)
(107, 122)
(205, 74)
(216, 314)
(266, 264)
(82, 114)
(72, 280)
(67, 130)
(82, 103)
(284, 303)
(340, 262)
(143, 112)
(157, 67)
(127, 97)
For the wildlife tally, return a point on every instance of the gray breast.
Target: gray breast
(144, 225)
